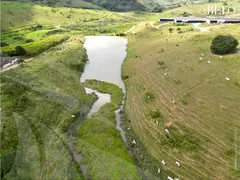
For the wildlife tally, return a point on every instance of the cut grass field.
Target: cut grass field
(203, 121)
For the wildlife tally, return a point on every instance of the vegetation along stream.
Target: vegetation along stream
(102, 76)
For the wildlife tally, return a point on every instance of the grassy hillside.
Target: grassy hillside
(119, 5)
(39, 97)
(17, 14)
(37, 101)
(203, 122)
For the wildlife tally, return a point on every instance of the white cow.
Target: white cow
(159, 170)
(73, 116)
(169, 178)
(163, 162)
(228, 79)
(167, 131)
(209, 62)
(200, 58)
(134, 142)
(178, 164)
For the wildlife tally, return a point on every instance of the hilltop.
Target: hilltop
(119, 5)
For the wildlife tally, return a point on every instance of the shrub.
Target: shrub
(4, 44)
(185, 97)
(186, 14)
(170, 30)
(35, 48)
(20, 51)
(155, 114)
(29, 40)
(148, 97)
(161, 63)
(55, 31)
(18, 38)
(124, 77)
(223, 44)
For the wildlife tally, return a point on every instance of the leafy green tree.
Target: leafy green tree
(224, 44)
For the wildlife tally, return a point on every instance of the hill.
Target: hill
(118, 5)
(192, 98)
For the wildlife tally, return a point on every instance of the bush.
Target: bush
(4, 44)
(224, 44)
(29, 40)
(35, 48)
(18, 38)
(155, 114)
(20, 51)
(148, 97)
(186, 14)
(170, 30)
(55, 31)
(124, 77)
(161, 63)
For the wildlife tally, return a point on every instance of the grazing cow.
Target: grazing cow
(209, 62)
(133, 143)
(163, 162)
(165, 74)
(166, 69)
(174, 102)
(169, 178)
(200, 58)
(228, 79)
(178, 164)
(159, 170)
(220, 56)
(73, 116)
(176, 179)
(167, 131)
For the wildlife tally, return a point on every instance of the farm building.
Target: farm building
(201, 20)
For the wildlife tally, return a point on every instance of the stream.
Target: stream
(106, 55)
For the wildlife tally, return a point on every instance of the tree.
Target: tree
(223, 44)
(170, 30)
(20, 51)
